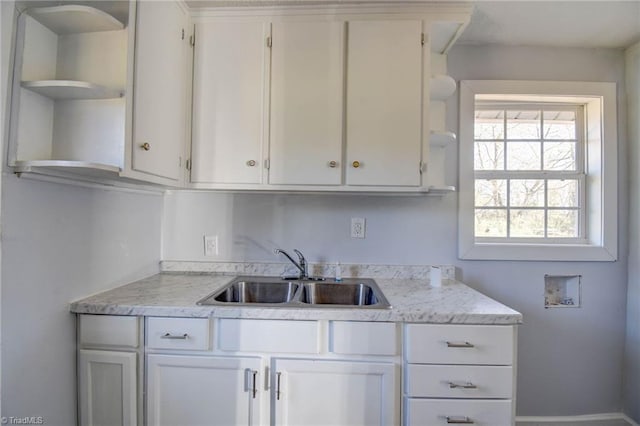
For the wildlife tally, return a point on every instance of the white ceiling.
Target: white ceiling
(607, 24)
(568, 23)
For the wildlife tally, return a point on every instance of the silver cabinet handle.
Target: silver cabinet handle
(175, 336)
(251, 163)
(333, 164)
(459, 345)
(278, 374)
(459, 420)
(254, 389)
(467, 385)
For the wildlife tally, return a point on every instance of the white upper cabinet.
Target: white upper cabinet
(384, 103)
(229, 78)
(161, 90)
(307, 68)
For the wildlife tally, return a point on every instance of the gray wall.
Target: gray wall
(632, 352)
(570, 360)
(6, 16)
(60, 243)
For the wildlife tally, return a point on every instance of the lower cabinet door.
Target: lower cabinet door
(199, 390)
(341, 393)
(436, 412)
(107, 388)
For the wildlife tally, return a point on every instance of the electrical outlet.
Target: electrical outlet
(358, 227)
(210, 245)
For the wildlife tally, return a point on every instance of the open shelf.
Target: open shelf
(72, 19)
(70, 89)
(64, 167)
(442, 87)
(441, 138)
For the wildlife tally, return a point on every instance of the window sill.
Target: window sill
(538, 252)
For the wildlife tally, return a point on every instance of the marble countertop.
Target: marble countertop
(173, 294)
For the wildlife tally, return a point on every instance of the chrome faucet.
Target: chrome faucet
(301, 264)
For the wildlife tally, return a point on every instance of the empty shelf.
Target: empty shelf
(441, 138)
(70, 89)
(442, 87)
(71, 19)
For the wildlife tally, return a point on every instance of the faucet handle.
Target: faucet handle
(300, 255)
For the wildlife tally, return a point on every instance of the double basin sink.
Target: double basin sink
(314, 293)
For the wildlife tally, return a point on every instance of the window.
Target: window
(537, 168)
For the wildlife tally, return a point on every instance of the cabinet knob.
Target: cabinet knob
(355, 164)
(251, 163)
(146, 146)
(333, 164)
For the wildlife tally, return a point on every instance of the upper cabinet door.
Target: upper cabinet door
(160, 89)
(384, 103)
(228, 102)
(307, 79)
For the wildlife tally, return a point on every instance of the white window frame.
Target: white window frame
(601, 224)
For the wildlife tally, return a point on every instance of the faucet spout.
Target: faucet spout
(301, 264)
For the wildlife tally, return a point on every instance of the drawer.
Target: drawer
(459, 381)
(436, 412)
(109, 330)
(363, 338)
(459, 344)
(178, 333)
(274, 336)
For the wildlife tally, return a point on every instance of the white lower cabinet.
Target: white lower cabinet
(435, 412)
(108, 367)
(202, 390)
(309, 392)
(459, 374)
(107, 388)
(222, 372)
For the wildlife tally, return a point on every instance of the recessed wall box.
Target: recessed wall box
(562, 291)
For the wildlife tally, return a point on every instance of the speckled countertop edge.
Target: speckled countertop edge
(174, 294)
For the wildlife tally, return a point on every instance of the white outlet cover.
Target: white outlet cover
(358, 227)
(210, 245)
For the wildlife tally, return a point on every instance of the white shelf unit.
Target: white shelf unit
(68, 109)
(442, 87)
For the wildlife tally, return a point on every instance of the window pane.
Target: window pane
(489, 156)
(489, 125)
(562, 224)
(527, 223)
(523, 125)
(527, 193)
(491, 223)
(559, 124)
(491, 193)
(562, 193)
(560, 156)
(523, 155)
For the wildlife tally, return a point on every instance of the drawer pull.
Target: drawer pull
(467, 385)
(176, 337)
(460, 345)
(459, 420)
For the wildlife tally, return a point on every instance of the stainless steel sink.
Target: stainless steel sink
(359, 294)
(258, 292)
(279, 292)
